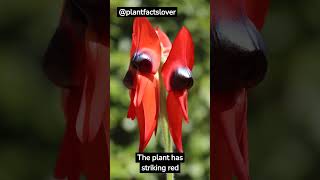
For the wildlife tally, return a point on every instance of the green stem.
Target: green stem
(165, 127)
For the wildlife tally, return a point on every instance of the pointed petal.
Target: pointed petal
(181, 55)
(141, 120)
(174, 120)
(147, 110)
(97, 54)
(229, 122)
(145, 38)
(150, 108)
(165, 42)
(94, 155)
(142, 82)
(81, 117)
(68, 162)
(94, 99)
(183, 102)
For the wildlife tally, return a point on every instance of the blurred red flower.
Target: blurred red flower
(238, 63)
(77, 61)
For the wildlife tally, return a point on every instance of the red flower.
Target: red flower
(143, 80)
(177, 77)
(77, 61)
(239, 63)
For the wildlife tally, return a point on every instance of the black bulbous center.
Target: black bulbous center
(238, 53)
(181, 79)
(142, 62)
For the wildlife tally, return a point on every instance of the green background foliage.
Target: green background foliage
(124, 132)
(284, 138)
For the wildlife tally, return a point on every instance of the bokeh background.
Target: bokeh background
(124, 142)
(31, 119)
(284, 115)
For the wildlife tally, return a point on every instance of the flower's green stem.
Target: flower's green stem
(165, 127)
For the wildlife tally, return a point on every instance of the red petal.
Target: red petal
(150, 107)
(147, 111)
(94, 158)
(257, 11)
(165, 41)
(229, 126)
(98, 54)
(68, 162)
(145, 38)
(142, 82)
(181, 55)
(175, 120)
(254, 9)
(94, 99)
(141, 120)
(183, 102)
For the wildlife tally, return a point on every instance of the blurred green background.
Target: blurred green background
(124, 132)
(284, 115)
(31, 119)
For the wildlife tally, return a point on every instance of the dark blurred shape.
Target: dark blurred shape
(78, 61)
(239, 59)
(65, 52)
(128, 79)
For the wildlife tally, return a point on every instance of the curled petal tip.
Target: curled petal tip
(175, 116)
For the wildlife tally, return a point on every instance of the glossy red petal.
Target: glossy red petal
(183, 103)
(150, 107)
(145, 38)
(230, 136)
(147, 110)
(165, 42)
(142, 82)
(175, 120)
(181, 55)
(141, 120)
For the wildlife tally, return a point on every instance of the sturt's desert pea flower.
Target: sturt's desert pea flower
(177, 77)
(238, 63)
(142, 79)
(77, 61)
